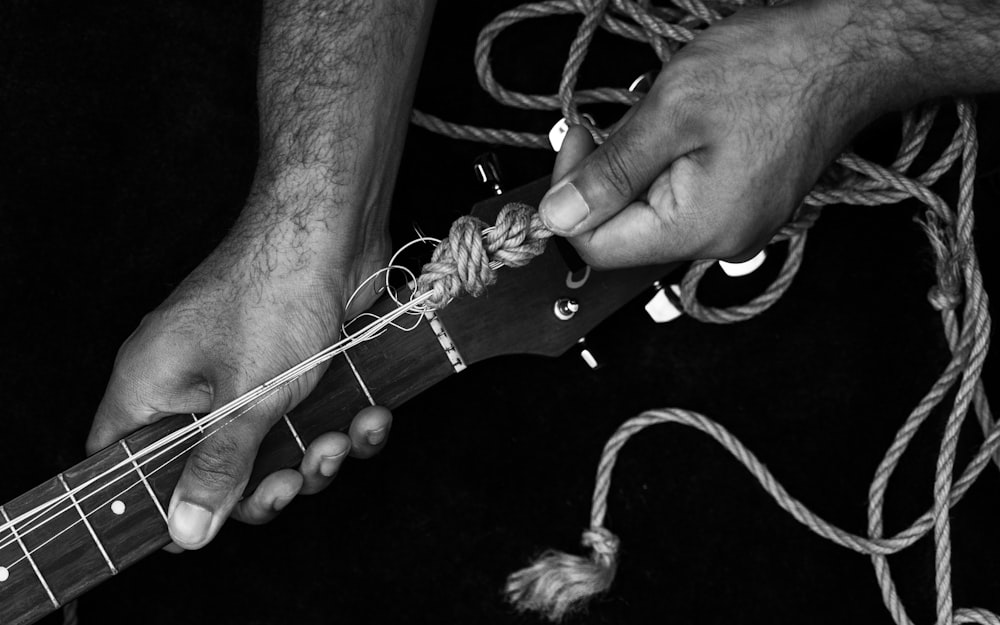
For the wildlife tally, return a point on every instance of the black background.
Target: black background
(127, 145)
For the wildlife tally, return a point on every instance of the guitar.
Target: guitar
(115, 514)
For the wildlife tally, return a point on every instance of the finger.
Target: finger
(369, 431)
(271, 496)
(661, 230)
(576, 145)
(213, 479)
(322, 460)
(617, 172)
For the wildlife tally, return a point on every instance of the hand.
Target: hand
(736, 130)
(263, 301)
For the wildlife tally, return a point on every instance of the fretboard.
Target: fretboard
(120, 518)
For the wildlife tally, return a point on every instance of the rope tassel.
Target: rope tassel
(559, 583)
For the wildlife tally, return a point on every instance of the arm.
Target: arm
(335, 84)
(741, 122)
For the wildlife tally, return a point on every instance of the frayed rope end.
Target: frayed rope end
(560, 583)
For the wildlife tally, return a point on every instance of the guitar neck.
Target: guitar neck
(119, 515)
(116, 514)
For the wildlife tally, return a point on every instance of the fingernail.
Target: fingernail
(327, 466)
(375, 437)
(190, 523)
(281, 502)
(564, 208)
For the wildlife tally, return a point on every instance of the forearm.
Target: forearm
(922, 49)
(335, 86)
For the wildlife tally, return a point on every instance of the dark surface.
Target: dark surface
(127, 138)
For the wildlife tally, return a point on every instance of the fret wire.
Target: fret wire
(295, 434)
(90, 528)
(27, 554)
(357, 375)
(256, 395)
(142, 478)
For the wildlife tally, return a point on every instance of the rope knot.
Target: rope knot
(559, 583)
(466, 261)
(942, 298)
(603, 543)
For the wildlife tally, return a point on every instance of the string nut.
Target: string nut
(565, 308)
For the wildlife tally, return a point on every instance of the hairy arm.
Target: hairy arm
(335, 83)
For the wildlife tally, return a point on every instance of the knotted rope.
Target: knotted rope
(558, 583)
(466, 262)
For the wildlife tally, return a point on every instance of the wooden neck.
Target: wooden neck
(56, 555)
(119, 515)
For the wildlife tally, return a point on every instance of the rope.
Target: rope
(557, 583)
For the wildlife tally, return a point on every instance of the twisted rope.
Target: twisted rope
(467, 261)
(558, 583)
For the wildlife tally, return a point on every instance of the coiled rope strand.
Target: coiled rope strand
(558, 583)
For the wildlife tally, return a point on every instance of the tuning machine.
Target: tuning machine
(585, 353)
(558, 132)
(747, 267)
(486, 168)
(665, 305)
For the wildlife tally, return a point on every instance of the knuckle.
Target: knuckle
(215, 467)
(616, 169)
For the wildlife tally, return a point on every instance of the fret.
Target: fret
(361, 382)
(295, 434)
(23, 588)
(415, 362)
(86, 522)
(57, 543)
(126, 518)
(145, 482)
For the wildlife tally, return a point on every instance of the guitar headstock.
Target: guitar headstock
(545, 307)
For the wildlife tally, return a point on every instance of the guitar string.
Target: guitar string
(516, 238)
(256, 395)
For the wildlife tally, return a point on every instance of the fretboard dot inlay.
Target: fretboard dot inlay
(4, 574)
(118, 507)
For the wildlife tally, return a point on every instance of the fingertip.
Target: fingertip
(271, 496)
(192, 526)
(322, 460)
(369, 431)
(577, 144)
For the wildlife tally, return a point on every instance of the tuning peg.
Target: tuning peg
(642, 84)
(558, 132)
(666, 303)
(736, 270)
(587, 355)
(486, 168)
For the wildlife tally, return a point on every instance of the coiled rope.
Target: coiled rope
(557, 583)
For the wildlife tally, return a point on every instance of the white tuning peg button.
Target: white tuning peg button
(666, 304)
(735, 270)
(558, 132)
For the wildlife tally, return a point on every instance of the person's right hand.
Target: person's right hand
(736, 130)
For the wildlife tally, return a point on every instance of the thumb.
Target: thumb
(616, 173)
(215, 476)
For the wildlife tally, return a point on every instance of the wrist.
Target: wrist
(303, 229)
